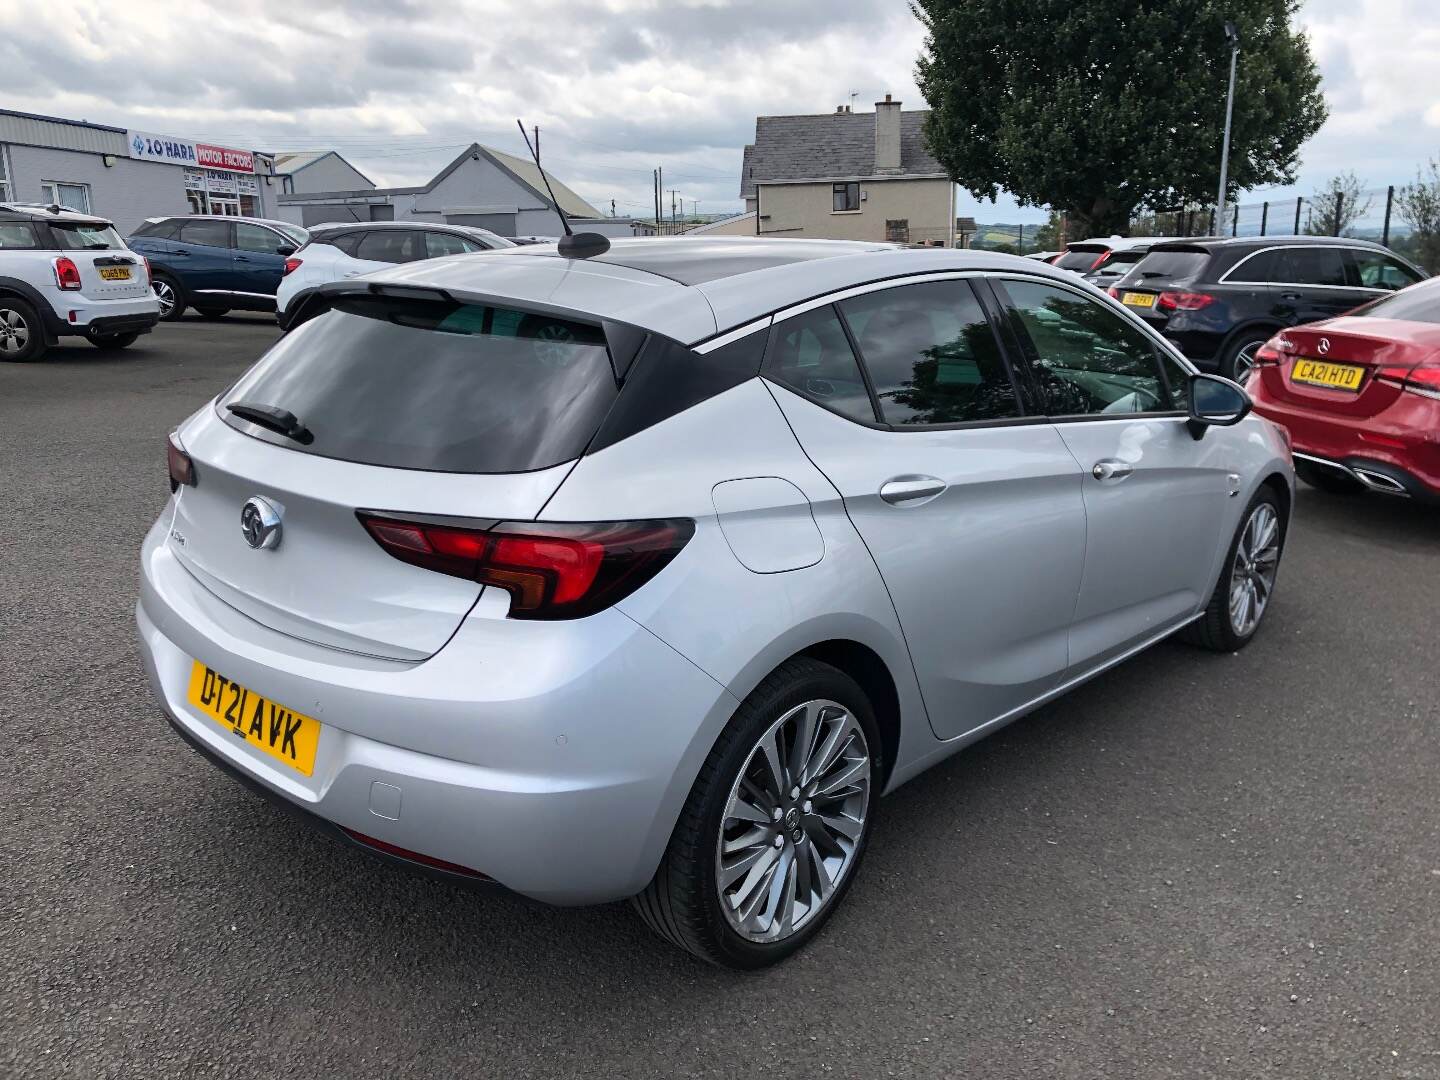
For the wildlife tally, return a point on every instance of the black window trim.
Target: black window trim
(1032, 358)
(1344, 251)
(842, 187)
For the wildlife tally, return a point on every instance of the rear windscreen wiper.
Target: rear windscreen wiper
(281, 421)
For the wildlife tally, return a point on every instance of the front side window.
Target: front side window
(1377, 270)
(1311, 266)
(205, 232)
(257, 238)
(72, 196)
(392, 246)
(931, 354)
(812, 356)
(1087, 360)
(447, 387)
(845, 197)
(16, 234)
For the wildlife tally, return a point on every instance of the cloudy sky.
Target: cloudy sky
(616, 86)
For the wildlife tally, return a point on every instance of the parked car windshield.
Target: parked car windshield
(432, 385)
(294, 232)
(1415, 304)
(76, 236)
(1078, 258)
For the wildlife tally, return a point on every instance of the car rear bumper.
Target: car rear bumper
(92, 317)
(553, 760)
(1394, 455)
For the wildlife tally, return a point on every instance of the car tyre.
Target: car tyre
(172, 298)
(114, 341)
(1247, 578)
(1239, 356)
(1331, 480)
(22, 336)
(799, 825)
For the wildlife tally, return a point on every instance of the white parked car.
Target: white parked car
(337, 252)
(66, 273)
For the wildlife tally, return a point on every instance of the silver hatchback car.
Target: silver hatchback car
(645, 575)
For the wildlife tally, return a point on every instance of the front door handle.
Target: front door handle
(911, 490)
(1289, 296)
(242, 258)
(1111, 469)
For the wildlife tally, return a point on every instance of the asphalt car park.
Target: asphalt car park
(1195, 865)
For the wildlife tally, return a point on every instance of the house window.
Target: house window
(897, 230)
(846, 197)
(71, 196)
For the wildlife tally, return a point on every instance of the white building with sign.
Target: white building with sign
(129, 175)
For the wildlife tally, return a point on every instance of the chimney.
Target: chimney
(887, 135)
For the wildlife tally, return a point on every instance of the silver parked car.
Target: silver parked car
(646, 575)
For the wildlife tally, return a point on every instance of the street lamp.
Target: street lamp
(1232, 35)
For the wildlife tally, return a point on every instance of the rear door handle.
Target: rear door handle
(1111, 469)
(1289, 296)
(242, 258)
(911, 490)
(353, 273)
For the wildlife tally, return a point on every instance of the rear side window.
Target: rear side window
(812, 356)
(393, 246)
(439, 243)
(1259, 269)
(164, 229)
(72, 237)
(206, 233)
(931, 354)
(16, 234)
(437, 386)
(1086, 358)
(348, 242)
(1170, 266)
(1310, 266)
(1078, 258)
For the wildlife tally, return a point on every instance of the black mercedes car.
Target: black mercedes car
(1220, 300)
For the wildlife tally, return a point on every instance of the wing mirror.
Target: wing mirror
(286, 250)
(1215, 402)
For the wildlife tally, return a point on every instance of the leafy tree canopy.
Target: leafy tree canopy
(1098, 107)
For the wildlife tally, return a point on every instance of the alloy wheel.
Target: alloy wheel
(794, 821)
(1245, 361)
(1252, 576)
(14, 332)
(165, 293)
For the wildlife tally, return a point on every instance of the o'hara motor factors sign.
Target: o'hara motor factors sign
(149, 147)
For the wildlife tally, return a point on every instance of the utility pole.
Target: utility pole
(673, 218)
(659, 197)
(1232, 35)
(612, 207)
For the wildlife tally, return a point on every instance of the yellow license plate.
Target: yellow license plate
(1138, 299)
(1321, 373)
(114, 273)
(286, 736)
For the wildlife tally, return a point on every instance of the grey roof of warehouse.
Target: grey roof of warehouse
(831, 146)
(523, 171)
(292, 161)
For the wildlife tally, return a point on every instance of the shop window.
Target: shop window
(72, 196)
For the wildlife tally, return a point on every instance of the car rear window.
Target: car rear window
(446, 387)
(1415, 304)
(1078, 258)
(73, 236)
(1170, 265)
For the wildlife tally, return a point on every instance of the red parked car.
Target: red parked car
(1360, 395)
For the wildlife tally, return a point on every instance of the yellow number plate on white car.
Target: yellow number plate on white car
(114, 273)
(286, 736)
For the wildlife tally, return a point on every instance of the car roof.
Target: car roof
(1234, 243)
(272, 222)
(737, 280)
(49, 212)
(1113, 243)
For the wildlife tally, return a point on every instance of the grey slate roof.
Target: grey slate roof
(836, 146)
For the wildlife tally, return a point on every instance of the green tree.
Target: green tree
(1099, 107)
(1338, 205)
(1418, 205)
(1047, 236)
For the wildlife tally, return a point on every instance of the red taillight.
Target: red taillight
(387, 848)
(550, 570)
(67, 274)
(1185, 301)
(1275, 351)
(291, 265)
(146, 263)
(182, 469)
(1423, 379)
(1113, 291)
